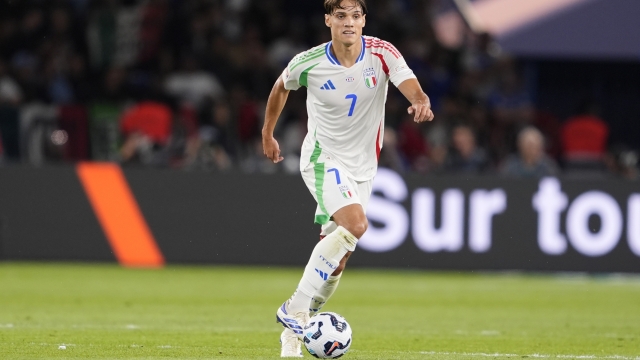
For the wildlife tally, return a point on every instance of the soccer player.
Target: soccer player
(346, 81)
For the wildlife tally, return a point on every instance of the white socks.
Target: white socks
(325, 258)
(323, 294)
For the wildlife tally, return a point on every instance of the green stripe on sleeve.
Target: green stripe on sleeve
(304, 77)
(306, 60)
(309, 55)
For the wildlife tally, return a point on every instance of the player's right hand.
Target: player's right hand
(271, 149)
(421, 111)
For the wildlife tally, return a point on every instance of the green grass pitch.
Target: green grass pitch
(197, 312)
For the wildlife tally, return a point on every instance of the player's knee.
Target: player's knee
(358, 228)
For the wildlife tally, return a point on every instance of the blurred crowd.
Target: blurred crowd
(183, 84)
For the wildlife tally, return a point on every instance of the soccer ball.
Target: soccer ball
(327, 336)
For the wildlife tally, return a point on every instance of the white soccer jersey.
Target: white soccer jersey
(346, 105)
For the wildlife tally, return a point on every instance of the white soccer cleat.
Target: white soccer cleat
(295, 322)
(290, 344)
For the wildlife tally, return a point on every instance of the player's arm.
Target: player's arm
(275, 104)
(420, 103)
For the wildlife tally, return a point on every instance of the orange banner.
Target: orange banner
(119, 215)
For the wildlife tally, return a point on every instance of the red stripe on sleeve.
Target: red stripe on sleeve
(385, 68)
(383, 45)
(393, 48)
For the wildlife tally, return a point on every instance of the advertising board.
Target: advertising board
(454, 223)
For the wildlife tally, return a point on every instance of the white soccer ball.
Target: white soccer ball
(327, 336)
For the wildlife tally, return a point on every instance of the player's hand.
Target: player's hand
(271, 149)
(421, 112)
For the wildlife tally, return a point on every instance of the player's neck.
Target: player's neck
(346, 55)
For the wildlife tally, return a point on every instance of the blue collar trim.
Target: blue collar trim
(334, 60)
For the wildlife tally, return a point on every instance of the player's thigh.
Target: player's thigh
(352, 217)
(364, 189)
(355, 213)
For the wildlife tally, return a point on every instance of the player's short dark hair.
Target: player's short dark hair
(331, 5)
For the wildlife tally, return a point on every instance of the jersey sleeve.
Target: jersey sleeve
(290, 79)
(295, 74)
(399, 71)
(393, 63)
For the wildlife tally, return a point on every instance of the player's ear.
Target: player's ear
(327, 17)
(364, 20)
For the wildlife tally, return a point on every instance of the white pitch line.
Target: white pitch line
(544, 356)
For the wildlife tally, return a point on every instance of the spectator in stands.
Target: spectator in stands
(10, 91)
(623, 161)
(219, 63)
(478, 117)
(216, 149)
(105, 55)
(390, 156)
(245, 111)
(531, 160)
(293, 133)
(511, 108)
(584, 140)
(32, 30)
(26, 70)
(8, 31)
(114, 89)
(193, 85)
(465, 157)
(10, 97)
(549, 124)
(59, 89)
(413, 145)
(146, 128)
(81, 83)
(184, 142)
(438, 139)
(284, 48)
(510, 102)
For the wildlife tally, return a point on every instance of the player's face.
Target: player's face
(346, 22)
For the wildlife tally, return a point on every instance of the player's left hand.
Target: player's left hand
(421, 112)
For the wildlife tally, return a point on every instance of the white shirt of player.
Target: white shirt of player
(346, 105)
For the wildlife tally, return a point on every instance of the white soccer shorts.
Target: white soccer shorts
(333, 190)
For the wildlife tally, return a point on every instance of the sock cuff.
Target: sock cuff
(335, 277)
(347, 238)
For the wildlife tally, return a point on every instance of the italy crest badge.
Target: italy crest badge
(370, 78)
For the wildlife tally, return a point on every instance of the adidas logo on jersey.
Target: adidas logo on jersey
(328, 86)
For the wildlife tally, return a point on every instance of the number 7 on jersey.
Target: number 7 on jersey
(353, 98)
